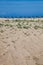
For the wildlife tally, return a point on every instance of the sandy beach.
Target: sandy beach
(21, 41)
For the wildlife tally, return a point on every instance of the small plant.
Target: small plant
(1, 24)
(11, 25)
(42, 21)
(1, 31)
(27, 23)
(36, 27)
(25, 27)
(19, 25)
(6, 24)
(13, 20)
(36, 21)
(16, 20)
(31, 20)
(41, 27)
(7, 20)
(30, 25)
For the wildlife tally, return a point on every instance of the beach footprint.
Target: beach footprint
(38, 60)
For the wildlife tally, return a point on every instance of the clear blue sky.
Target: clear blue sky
(21, 7)
(21, 0)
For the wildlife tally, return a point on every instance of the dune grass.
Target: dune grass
(22, 23)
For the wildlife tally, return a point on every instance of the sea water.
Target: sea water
(15, 8)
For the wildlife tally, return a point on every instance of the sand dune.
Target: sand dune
(21, 46)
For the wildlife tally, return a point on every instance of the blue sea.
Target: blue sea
(21, 8)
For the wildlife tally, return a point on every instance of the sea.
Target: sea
(21, 8)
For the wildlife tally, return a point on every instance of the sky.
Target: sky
(24, 8)
(21, 0)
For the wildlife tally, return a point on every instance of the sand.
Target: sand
(21, 46)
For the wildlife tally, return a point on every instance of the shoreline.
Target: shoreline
(21, 18)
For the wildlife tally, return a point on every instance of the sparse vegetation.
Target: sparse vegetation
(1, 31)
(42, 21)
(25, 27)
(19, 25)
(1, 24)
(21, 38)
(22, 23)
(36, 27)
(6, 24)
(16, 20)
(11, 25)
(7, 20)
